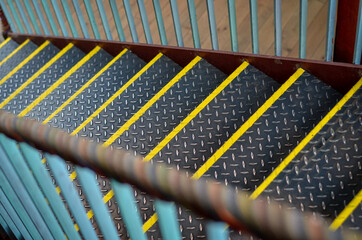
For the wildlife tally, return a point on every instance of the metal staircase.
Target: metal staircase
(297, 141)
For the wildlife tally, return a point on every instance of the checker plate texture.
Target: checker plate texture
(265, 144)
(17, 58)
(326, 175)
(28, 70)
(209, 130)
(121, 109)
(43, 82)
(8, 48)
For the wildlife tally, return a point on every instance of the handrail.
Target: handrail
(205, 196)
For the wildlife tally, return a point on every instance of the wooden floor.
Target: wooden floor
(317, 23)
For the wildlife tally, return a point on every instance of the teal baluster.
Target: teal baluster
(33, 159)
(87, 179)
(8, 224)
(254, 26)
(60, 172)
(19, 208)
(117, 20)
(41, 18)
(59, 16)
(217, 231)
(92, 20)
(160, 24)
(132, 26)
(303, 28)
(193, 22)
(16, 16)
(144, 19)
(50, 17)
(128, 208)
(278, 27)
(81, 18)
(212, 23)
(68, 14)
(41, 215)
(167, 217)
(32, 17)
(7, 14)
(358, 40)
(176, 23)
(331, 23)
(232, 22)
(103, 15)
(23, 17)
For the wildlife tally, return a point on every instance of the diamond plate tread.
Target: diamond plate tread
(125, 105)
(212, 127)
(44, 81)
(17, 58)
(354, 221)
(8, 48)
(24, 73)
(75, 81)
(270, 139)
(325, 176)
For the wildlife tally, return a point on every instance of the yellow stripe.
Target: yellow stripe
(152, 220)
(15, 51)
(26, 60)
(151, 102)
(106, 198)
(196, 111)
(305, 141)
(124, 87)
(201, 171)
(40, 71)
(84, 86)
(59, 81)
(346, 211)
(5, 42)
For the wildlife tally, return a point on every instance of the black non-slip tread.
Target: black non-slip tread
(7, 49)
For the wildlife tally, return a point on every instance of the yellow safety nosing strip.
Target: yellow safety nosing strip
(140, 112)
(40, 71)
(247, 124)
(122, 89)
(59, 81)
(305, 141)
(15, 51)
(85, 86)
(5, 42)
(26, 60)
(201, 171)
(346, 211)
(196, 111)
(110, 194)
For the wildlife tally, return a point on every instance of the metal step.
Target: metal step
(7, 48)
(327, 174)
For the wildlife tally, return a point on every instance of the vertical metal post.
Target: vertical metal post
(32, 16)
(23, 16)
(59, 16)
(303, 28)
(145, 23)
(131, 24)
(91, 18)
(81, 18)
(10, 220)
(331, 23)
(103, 15)
(50, 17)
(14, 13)
(176, 23)
(160, 24)
(193, 22)
(8, 16)
(117, 20)
(278, 27)
(358, 40)
(212, 24)
(70, 18)
(217, 231)
(167, 217)
(254, 26)
(41, 17)
(232, 24)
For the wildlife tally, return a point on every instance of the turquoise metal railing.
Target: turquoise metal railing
(17, 17)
